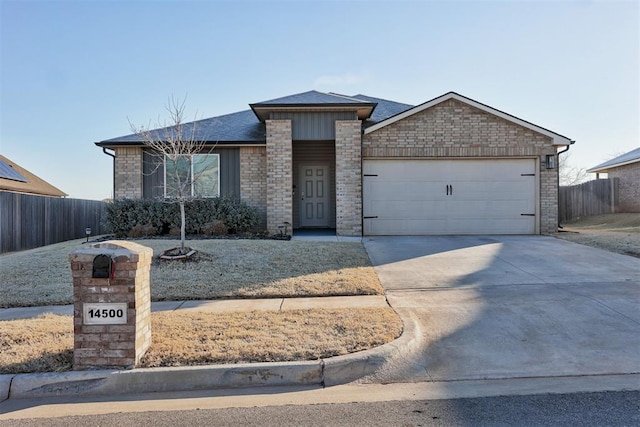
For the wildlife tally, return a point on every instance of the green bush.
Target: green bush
(163, 215)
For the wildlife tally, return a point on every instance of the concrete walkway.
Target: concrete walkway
(220, 306)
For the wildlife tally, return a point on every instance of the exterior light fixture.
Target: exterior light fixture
(87, 231)
(551, 161)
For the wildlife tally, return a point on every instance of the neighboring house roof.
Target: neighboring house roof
(19, 180)
(632, 156)
(557, 138)
(247, 127)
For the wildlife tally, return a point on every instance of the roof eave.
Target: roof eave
(107, 144)
(363, 109)
(599, 169)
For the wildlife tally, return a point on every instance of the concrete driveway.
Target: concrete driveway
(492, 307)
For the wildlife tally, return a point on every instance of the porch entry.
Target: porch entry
(314, 196)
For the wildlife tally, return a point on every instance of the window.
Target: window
(198, 175)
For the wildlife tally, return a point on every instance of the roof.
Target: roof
(313, 97)
(29, 183)
(632, 156)
(240, 127)
(384, 110)
(247, 127)
(313, 101)
(557, 138)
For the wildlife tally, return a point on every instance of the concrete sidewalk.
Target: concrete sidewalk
(220, 306)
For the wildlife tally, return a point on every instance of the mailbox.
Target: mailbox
(102, 267)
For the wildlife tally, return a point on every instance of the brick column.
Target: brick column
(128, 173)
(348, 178)
(112, 314)
(253, 180)
(279, 175)
(548, 197)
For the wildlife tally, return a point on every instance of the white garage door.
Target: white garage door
(418, 197)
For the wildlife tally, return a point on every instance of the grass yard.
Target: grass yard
(613, 232)
(222, 269)
(45, 344)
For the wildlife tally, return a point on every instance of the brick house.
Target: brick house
(369, 166)
(626, 167)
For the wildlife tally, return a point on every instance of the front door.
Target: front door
(314, 196)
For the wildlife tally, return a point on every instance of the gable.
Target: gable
(451, 127)
(465, 104)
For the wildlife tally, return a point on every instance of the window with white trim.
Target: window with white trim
(198, 175)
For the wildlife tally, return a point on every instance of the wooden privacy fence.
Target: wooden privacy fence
(28, 221)
(591, 198)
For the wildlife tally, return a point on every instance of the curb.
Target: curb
(324, 372)
(146, 380)
(5, 386)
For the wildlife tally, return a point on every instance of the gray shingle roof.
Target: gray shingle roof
(312, 97)
(242, 126)
(384, 110)
(632, 156)
(245, 127)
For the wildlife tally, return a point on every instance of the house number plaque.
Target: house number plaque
(104, 313)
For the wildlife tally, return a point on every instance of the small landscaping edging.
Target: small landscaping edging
(175, 254)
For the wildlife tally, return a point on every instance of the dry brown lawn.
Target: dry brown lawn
(613, 232)
(222, 269)
(45, 344)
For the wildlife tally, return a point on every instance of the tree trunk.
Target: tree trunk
(182, 226)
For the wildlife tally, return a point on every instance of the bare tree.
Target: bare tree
(179, 150)
(569, 173)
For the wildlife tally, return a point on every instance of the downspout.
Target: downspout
(558, 179)
(104, 150)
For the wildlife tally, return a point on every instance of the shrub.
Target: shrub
(125, 214)
(215, 228)
(142, 231)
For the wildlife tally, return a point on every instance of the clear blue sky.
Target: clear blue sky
(72, 72)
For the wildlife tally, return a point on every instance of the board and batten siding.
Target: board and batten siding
(153, 173)
(314, 126)
(314, 153)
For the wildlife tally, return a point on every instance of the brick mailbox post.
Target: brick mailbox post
(112, 305)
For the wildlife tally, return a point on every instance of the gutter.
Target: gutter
(558, 178)
(104, 150)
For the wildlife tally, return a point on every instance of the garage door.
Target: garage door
(419, 197)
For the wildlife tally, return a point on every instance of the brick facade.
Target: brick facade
(253, 182)
(348, 178)
(450, 129)
(279, 175)
(112, 345)
(128, 172)
(629, 189)
(453, 129)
